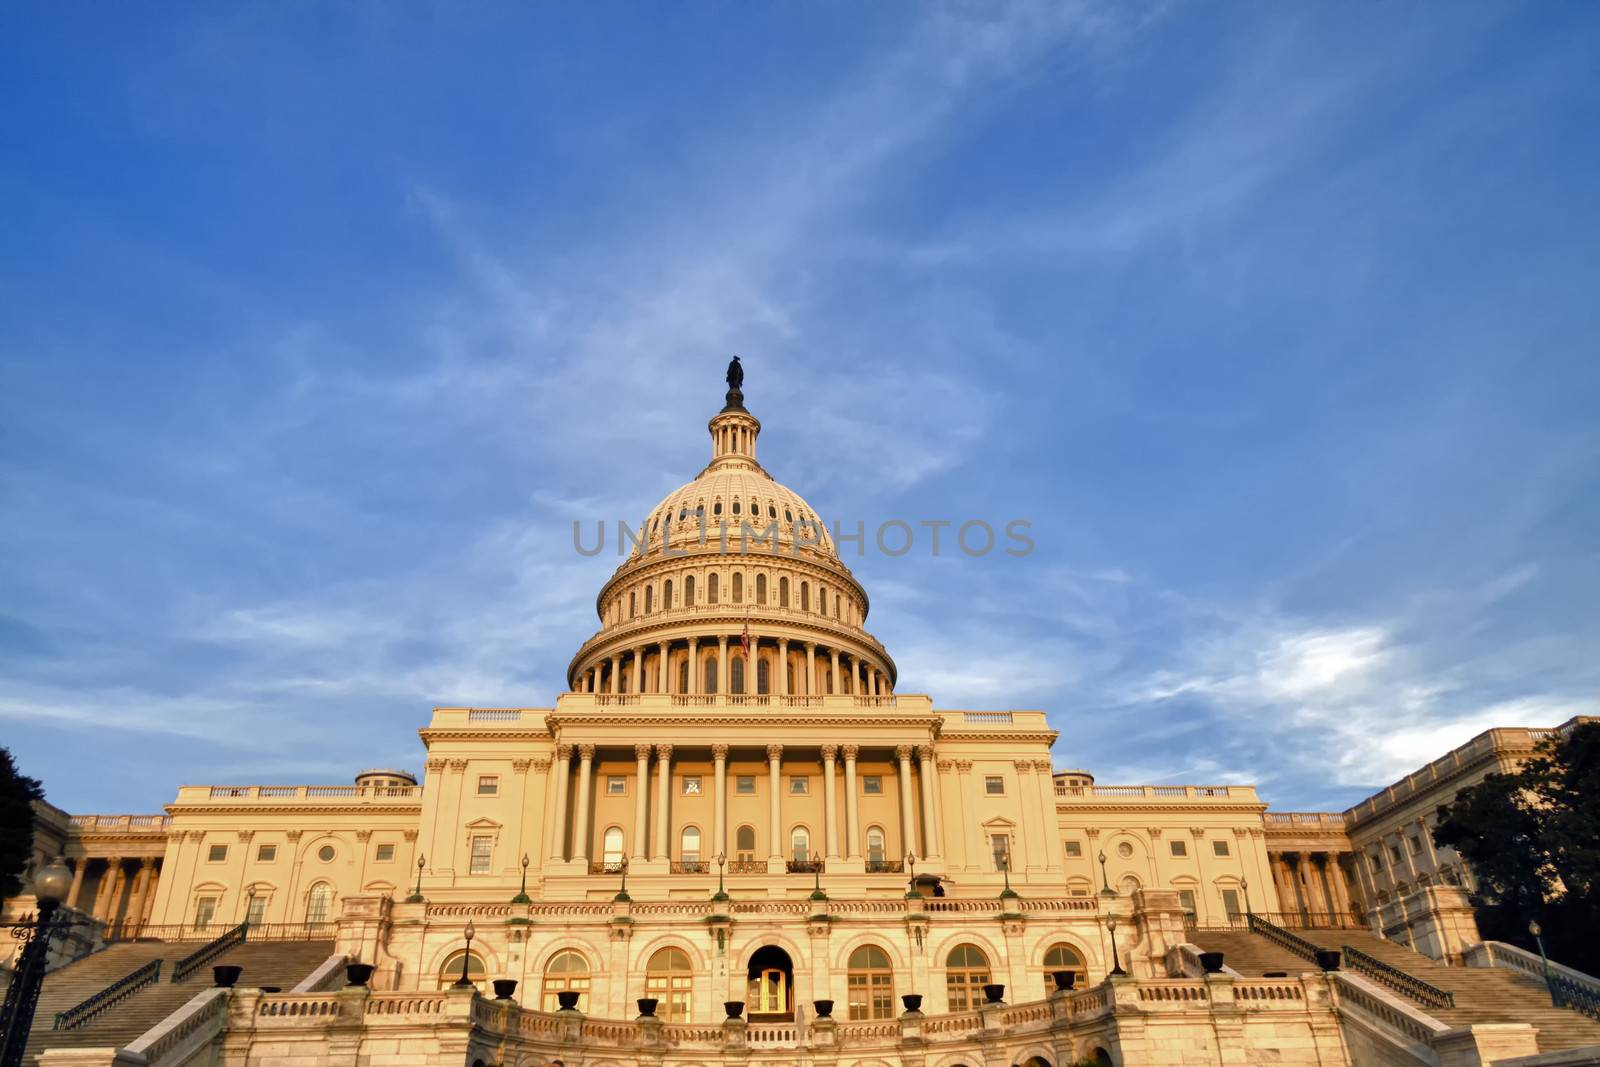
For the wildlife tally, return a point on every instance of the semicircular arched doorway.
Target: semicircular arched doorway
(769, 992)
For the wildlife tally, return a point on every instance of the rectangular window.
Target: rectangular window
(1394, 853)
(799, 785)
(1000, 844)
(1219, 848)
(691, 785)
(482, 853)
(256, 913)
(1230, 903)
(1186, 898)
(217, 854)
(267, 854)
(872, 784)
(745, 785)
(616, 785)
(1074, 848)
(204, 909)
(1180, 848)
(1414, 843)
(994, 785)
(385, 854)
(488, 785)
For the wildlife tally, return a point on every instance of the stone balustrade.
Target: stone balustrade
(1234, 793)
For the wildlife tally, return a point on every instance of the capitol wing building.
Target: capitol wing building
(735, 838)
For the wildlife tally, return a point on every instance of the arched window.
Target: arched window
(683, 677)
(836, 605)
(450, 970)
(744, 842)
(611, 850)
(688, 591)
(966, 973)
(805, 596)
(689, 848)
(633, 604)
(875, 852)
(738, 588)
(649, 596)
(763, 677)
(711, 676)
(1063, 957)
(1128, 884)
(666, 595)
(566, 972)
(668, 978)
(783, 592)
(736, 681)
(800, 844)
(711, 588)
(822, 599)
(870, 983)
(761, 589)
(319, 902)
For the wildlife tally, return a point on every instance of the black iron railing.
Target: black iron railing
(115, 993)
(208, 952)
(1288, 920)
(1396, 979)
(690, 867)
(886, 866)
(1570, 993)
(1281, 937)
(309, 931)
(804, 866)
(607, 866)
(747, 866)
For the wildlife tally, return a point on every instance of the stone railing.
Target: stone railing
(134, 824)
(1305, 818)
(190, 794)
(1501, 739)
(183, 1033)
(1403, 1022)
(1158, 792)
(1569, 987)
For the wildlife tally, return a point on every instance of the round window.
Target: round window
(1124, 850)
(325, 853)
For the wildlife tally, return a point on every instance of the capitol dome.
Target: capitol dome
(730, 552)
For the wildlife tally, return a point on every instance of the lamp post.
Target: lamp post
(466, 958)
(416, 894)
(1549, 982)
(622, 892)
(1105, 883)
(50, 888)
(1116, 959)
(911, 882)
(522, 894)
(1244, 884)
(1005, 872)
(722, 894)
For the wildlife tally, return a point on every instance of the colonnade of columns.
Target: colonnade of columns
(650, 668)
(1388, 875)
(120, 894)
(916, 833)
(1310, 884)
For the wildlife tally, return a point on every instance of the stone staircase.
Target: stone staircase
(269, 963)
(1482, 994)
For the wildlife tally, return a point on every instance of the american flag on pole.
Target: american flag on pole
(744, 641)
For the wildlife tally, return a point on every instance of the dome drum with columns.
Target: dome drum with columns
(729, 552)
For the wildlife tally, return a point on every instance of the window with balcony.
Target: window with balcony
(875, 850)
(689, 846)
(744, 843)
(800, 844)
(966, 973)
(205, 909)
(611, 848)
(869, 983)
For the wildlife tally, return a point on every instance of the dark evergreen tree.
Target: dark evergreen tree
(17, 794)
(1532, 840)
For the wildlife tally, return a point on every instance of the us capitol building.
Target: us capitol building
(734, 811)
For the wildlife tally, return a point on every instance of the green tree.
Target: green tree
(17, 794)
(1533, 841)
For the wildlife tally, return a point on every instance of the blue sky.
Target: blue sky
(321, 323)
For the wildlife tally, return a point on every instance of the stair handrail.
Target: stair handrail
(208, 952)
(1569, 987)
(115, 993)
(1396, 979)
(1283, 938)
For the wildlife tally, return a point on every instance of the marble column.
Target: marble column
(930, 785)
(665, 682)
(1427, 846)
(78, 871)
(594, 678)
(855, 675)
(811, 668)
(147, 874)
(722, 665)
(830, 814)
(908, 822)
(694, 666)
(616, 673)
(775, 814)
(852, 822)
(663, 799)
(833, 672)
(719, 817)
(580, 837)
(641, 802)
(783, 666)
(563, 782)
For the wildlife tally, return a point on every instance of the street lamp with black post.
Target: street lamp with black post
(50, 887)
